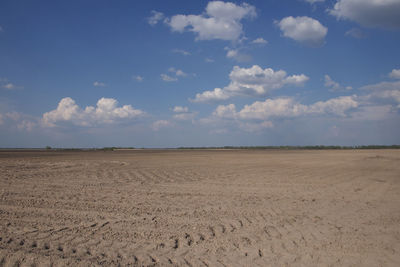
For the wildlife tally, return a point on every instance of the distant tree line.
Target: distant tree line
(321, 147)
(299, 147)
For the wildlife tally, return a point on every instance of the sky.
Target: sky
(199, 73)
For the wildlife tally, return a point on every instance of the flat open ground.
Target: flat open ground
(193, 208)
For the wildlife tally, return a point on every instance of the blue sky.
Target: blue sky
(199, 73)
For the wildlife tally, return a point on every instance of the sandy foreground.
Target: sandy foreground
(200, 208)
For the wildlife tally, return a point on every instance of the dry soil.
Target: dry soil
(200, 208)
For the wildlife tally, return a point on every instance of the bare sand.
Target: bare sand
(200, 208)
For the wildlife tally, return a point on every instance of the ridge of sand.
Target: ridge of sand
(200, 208)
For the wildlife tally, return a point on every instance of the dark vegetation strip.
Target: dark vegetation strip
(321, 147)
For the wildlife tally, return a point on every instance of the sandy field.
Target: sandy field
(200, 208)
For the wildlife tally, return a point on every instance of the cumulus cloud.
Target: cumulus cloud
(386, 92)
(221, 20)
(183, 113)
(6, 84)
(99, 84)
(373, 113)
(382, 93)
(386, 96)
(105, 112)
(168, 78)
(260, 41)
(262, 115)
(26, 125)
(382, 86)
(334, 86)
(15, 116)
(9, 86)
(181, 51)
(179, 109)
(305, 30)
(286, 108)
(280, 107)
(235, 54)
(177, 72)
(369, 13)
(395, 74)
(157, 125)
(19, 121)
(216, 95)
(184, 116)
(335, 106)
(253, 81)
(155, 17)
(314, 1)
(138, 78)
(225, 111)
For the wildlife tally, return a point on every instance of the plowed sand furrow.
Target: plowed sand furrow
(200, 208)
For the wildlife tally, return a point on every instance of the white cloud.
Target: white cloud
(385, 96)
(221, 20)
(280, 107)
(15, 116)
(99, 84)
(19, 121)
(391, 94)
(138, 78)
(305, 30)
(237, 55)
(387, 92)
(6, 84)
(180, 73)
(179, 109)
(314, 1)
(225, 111)
(287, 108)
(335, 106)
(262, 115)
(182, 52)
(260, 41)
(157, 125)
(209, 60)
(177, 72)
(26, 125)
(105, 112)
(331, 83)
(373, 113)
(215, 95)
(369, 13)
(155, 17)
(168, 78)
(356, 33)
(184, 116)
(382, 86)
(334, 86)
(9, 86)
(253, 81)
(231, 53)
(252, 127)
(183, 113)
(395, 74)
